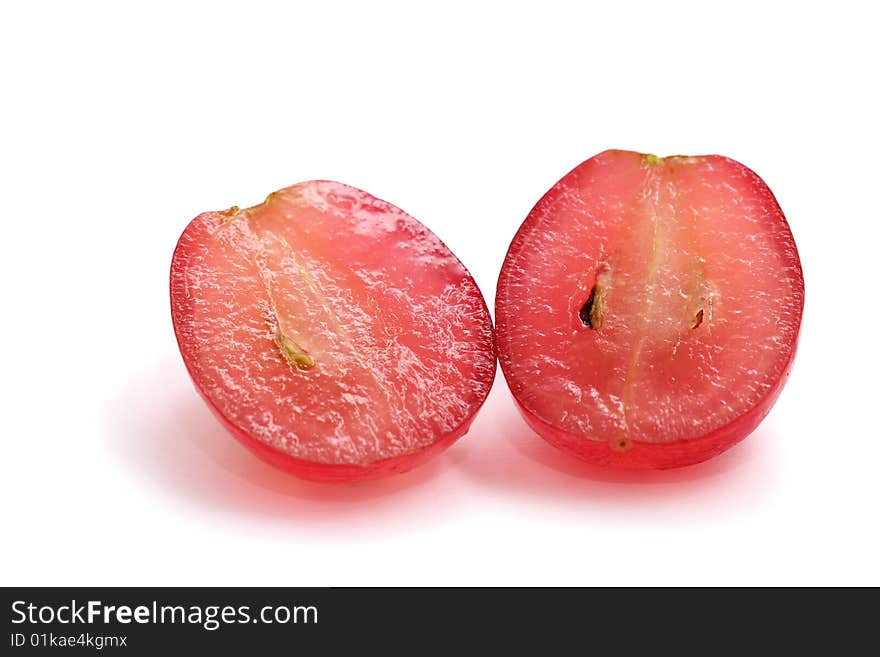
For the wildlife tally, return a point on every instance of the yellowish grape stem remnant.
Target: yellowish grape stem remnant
(295, 354)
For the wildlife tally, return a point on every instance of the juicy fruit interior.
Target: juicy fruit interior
(649, 299)
(330, 325)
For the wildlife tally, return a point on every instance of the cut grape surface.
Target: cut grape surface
(332, 333)
(648, 308)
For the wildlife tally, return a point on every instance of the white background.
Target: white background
(120, 124)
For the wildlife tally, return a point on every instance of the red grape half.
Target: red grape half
(333, 334)
(648, 309)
